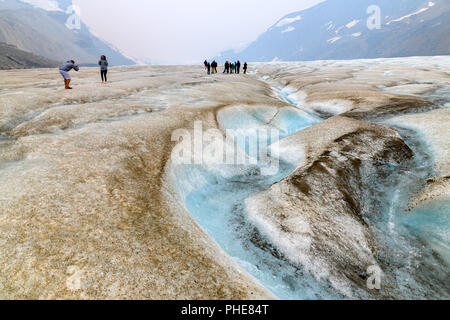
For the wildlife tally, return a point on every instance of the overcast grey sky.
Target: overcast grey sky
(183, 31)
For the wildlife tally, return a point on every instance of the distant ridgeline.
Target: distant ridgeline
(13, 58)
(342, 29)
(52, 29)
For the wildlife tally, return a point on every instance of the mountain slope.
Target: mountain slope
(43, 32)
(337, 29)
(13, 58)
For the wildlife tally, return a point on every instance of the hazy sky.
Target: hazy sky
(178, 31)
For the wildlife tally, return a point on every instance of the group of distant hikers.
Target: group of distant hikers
(64, 70)
(69, 65)
(230, 67)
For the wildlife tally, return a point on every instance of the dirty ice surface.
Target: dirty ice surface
(92, 206)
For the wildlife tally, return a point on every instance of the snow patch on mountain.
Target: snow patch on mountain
(287, 21)
(430, 4)
(333, 40)
(289, 29)
(48, 5)
(351, 24)
(339, 29)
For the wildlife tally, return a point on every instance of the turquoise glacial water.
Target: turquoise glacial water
(430, 224)
(220, 211)
(415, 244)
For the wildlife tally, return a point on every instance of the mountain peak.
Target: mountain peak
(48, 5)
(40, 27)
(340, 29)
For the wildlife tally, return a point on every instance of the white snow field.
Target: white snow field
(93, 204)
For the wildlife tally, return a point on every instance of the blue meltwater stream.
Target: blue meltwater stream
(219, 209)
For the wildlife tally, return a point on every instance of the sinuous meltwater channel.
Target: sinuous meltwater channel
(219, 210)
(428, 224)
(218, 206)
(414, 244)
